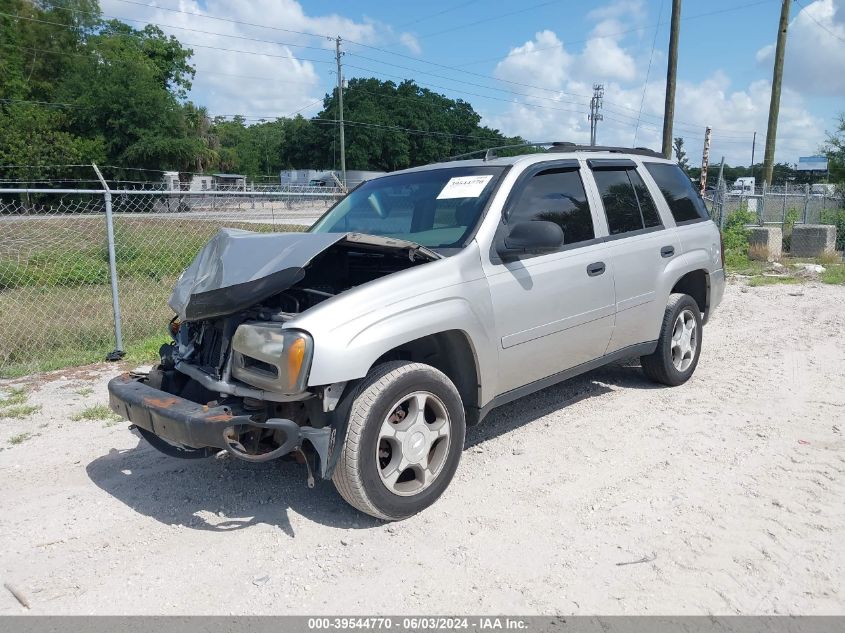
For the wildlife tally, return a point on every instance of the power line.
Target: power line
(290, 57)
(474, 94)
(451, 68)
(648, 71)
(141, 35)
(491, 18)
(230, 20)
(434, 15)
(468, 83)
(617, 33)
(289, 44)
(383, 50)
(822, 26)
(188, 44)
(372, 125)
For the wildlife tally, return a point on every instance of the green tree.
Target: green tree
(680, 153)
(396, 126)
(127, 94)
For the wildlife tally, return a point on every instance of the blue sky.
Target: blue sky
(528, 67)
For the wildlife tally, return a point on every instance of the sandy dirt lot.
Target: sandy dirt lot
(605, 494)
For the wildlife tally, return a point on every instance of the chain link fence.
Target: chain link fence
(783, 206)
(778, 205)
(56, 293)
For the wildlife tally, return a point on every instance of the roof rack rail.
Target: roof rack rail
(572, 147)
(558, 146)
(490, 152)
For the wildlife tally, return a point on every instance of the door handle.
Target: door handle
(595, 269)
(667, 251)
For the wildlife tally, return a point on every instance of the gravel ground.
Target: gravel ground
(605, 494)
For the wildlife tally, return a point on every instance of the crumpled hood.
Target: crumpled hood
(238, 269)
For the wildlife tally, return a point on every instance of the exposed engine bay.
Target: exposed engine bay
(344, 265)
(204, 365)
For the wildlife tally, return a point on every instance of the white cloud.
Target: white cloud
(281, 77)
(541, 61)
(815, 49)
(411, 43)
(560, 111)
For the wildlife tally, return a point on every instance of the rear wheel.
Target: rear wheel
(679, 343)
(403, 443)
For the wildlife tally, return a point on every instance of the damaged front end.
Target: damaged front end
(235, 376)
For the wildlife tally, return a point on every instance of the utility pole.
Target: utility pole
(340, 112)
(705, 160)
(774, 104)
(671, 76)
(595, 106)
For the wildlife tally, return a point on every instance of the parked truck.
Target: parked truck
(744, 186)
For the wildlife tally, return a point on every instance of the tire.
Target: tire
(386, 431)
(672, 363)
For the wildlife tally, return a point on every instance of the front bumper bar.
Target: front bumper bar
(170, 417)
(186, 423)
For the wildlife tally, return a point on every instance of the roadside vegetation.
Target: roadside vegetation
(20, 438)
(742, 260)
(96, 412)
(14, 404)
(60, 284)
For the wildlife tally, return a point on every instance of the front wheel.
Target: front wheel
(403, 442)
(679, 344)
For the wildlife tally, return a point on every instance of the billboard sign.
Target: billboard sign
(812, 163)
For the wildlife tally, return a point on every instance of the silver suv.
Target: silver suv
(418, 303)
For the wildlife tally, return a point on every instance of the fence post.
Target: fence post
(783, 206)
(118, 352)
(806, 201)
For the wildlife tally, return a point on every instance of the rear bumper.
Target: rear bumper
(170, 417)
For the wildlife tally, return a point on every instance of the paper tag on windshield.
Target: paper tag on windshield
(464, 187)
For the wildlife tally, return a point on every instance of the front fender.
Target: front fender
(348, 352)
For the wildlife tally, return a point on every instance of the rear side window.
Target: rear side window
(683, 200)
(627, 203)
(556, 195)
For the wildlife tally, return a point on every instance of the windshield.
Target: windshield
(437, 208)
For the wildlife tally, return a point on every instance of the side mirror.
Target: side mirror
(537, 236)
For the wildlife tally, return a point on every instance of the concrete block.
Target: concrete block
(812, 240)
(765, 242)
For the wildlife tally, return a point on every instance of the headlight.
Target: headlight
(268, 356)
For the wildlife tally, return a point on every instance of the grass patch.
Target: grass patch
(835, 274)
(772, 281)
(85, 391)
(20, 438)
(20, 411)
(96, 412)
(15, 396)
(146, 351)
(55, 296)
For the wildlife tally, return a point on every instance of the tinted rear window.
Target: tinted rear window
(627, 203)
(683, 200)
